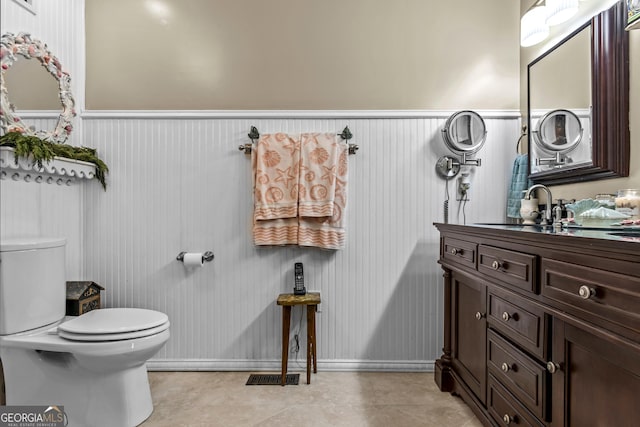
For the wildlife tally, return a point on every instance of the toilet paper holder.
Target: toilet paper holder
(207, 256)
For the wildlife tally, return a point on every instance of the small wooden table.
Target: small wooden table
(311, 300)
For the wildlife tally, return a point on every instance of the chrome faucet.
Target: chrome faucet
(550, 216)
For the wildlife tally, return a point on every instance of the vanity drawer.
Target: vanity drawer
(519, 320)
(514, 268)
(521, 375)
(599, 294)
(460, 252)
(505, 409)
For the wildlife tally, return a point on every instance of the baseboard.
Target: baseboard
(274, 365)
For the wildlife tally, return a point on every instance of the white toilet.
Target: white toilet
(93, 364)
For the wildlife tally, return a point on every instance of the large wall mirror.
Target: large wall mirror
(578, 104)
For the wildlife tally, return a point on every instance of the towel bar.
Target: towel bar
(254, 135)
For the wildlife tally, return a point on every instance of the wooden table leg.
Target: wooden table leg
(310, 314)
(286, 322)
(314, 353)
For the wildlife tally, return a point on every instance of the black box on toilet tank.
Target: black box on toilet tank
(82, 297)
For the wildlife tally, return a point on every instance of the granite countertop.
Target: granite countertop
(620, 233)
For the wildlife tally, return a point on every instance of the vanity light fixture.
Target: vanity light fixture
(559, 11)
(533, 26)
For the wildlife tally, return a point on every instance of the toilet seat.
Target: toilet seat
(113, 337)
(114, 324)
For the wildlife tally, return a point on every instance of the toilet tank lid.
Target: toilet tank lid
(28, 243)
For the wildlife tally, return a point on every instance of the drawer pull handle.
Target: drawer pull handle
(507, 419)
(506, 367)
(552, 367)
(456, 251)
(586, 292)
(479, 315)
(496, 265)
(506, 316)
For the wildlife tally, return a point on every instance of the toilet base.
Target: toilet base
(92, 399)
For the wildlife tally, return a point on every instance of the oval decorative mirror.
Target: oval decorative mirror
(586, 74)
(23, 46)
(464, 132)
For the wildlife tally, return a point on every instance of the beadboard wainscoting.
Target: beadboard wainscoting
(178, 182)
(29, 209)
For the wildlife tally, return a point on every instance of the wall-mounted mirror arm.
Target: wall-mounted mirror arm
(470, 162)
(557, 160)
(447, 167)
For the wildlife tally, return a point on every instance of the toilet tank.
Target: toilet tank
(32, 283)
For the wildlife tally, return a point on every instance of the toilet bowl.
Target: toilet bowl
(93, 365)
(99, 383)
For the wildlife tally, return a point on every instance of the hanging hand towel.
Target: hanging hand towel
(318, 163)
(519, 182)
(276, 163)
(323, 192)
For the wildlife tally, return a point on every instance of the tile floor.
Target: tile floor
(199, 399)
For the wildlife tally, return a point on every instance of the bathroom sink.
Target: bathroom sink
(629, 233)
(498, 224)
(519, 227)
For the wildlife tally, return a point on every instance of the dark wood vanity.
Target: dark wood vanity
(541, 327)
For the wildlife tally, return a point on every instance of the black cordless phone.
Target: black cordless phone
(298, 289)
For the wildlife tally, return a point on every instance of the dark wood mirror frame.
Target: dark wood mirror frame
(610, 101)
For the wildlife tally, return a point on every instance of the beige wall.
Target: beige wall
(591, 188)
(563, 79)
(31, 87)
(302, 54)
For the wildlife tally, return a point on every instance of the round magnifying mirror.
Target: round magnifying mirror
(559, 131)
(464, 132)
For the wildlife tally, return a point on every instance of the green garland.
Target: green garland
(44, 151)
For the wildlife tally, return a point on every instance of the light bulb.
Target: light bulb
(533, 28)
(559, 11)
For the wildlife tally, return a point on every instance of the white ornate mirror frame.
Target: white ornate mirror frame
(11, 48)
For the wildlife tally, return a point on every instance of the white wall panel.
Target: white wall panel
(30, 209)
(180, 184)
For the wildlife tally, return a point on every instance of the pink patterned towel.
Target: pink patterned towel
(323, 191)
(300, 191)
(276, 163)
(318, 164)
